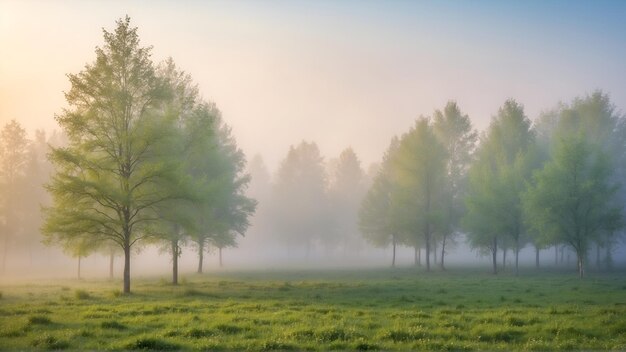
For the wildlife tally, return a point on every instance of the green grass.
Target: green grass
(400, 309)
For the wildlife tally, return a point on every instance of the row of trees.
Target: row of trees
(552, 183)
(310, 202)
(147, 160)
(23, 170)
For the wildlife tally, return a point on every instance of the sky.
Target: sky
(340, 73)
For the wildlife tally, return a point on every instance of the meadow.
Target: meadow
(385, 309)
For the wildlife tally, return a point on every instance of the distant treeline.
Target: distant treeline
(554, 182)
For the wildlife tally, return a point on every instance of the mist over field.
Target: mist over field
(273, 175)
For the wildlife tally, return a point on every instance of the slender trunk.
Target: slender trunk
(220, 251)
(427, 237)
(79, 267)
(516, 249)
(562, 250)
(537, 257)
(416, 253)
(393, 258)
(419, 256)
(503, 259)
(200, 255)
(111, 262)
(581, 268)
(609, 257)
(597, 256)
(175, 254)
(435, 252)
(126, 267)
(494, 254)
(556, 255)
(443, 252)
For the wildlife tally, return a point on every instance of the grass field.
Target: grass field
(398, 309)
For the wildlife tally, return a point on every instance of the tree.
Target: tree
(419, 171)
(377, 220)
(595, 119)
(573, 200)
(112, 176)
(175, 214)
(345, 193)
(14, 157)
(454, 131)
(504, 162)
(217, 166)
(299, 202)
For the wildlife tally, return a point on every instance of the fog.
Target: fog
(333, 82)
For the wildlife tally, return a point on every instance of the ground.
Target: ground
(389, 309)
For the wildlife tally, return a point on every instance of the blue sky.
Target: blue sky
(341, 73)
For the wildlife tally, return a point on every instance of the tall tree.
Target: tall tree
(420, 172)
(110, 179)
(573, 199)
(454, 131)
(377, 220)
(345, 193)
(299, 202)
(14, 157)
(503, 164)
(217, 166)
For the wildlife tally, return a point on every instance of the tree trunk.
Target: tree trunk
(435, 252)
(537, 257)
(79, 267)
(609, 257)
(111, 262)
(419, 256)
(556, 255)
(597, 256)
(503, 259)
(581, 268)
(494, 255)
(220, 253)
(127, 267)
(393, 258)
(175, 262)
(443, 252)
(200, 256)
(416, 253)
(427, 238)
(562, 250)
(516, 262)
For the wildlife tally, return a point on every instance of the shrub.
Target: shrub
(151, 344)
(81, 294)
(277, 346)
(229, 329)
(112, 325)
(200, 333)
(39, 320)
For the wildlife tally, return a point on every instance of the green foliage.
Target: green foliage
(121, 178)
(419, 173)
(377, 214)
(504, 162)
(573, 200)
(111, 176)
